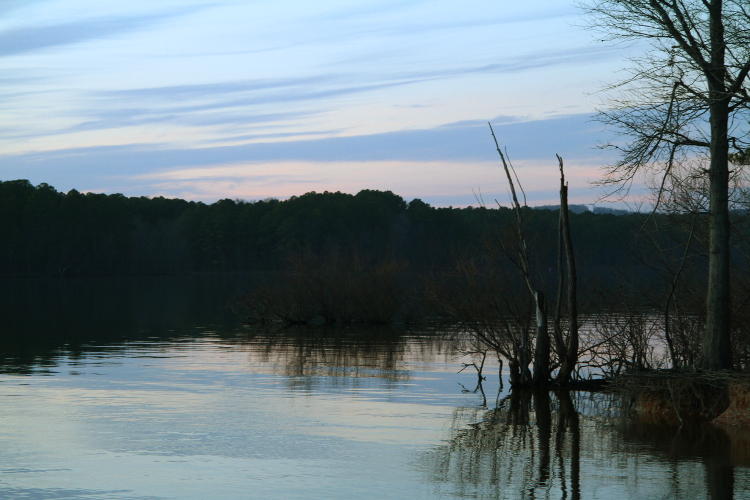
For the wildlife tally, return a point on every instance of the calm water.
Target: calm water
(148, 389)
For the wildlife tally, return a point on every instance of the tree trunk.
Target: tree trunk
(514, 373)
(524, 356)
(568, 352)
(541, 351)
(717, 353)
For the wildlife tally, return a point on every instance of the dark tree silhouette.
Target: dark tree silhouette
(687, 95)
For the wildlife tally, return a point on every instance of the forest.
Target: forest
(50, 233)
(371, 257)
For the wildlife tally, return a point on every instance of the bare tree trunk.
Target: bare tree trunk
(557, 325)
(569, 356)
(514, 374)
(541, 353)
(717, 353)
(700, 53)
(524, 357)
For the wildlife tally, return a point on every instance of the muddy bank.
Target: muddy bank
(666, 399)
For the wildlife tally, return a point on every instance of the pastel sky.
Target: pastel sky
(250, 99)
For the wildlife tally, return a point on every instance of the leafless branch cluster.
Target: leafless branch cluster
(662, 107)
(566, 341)
(614, 344)
(688, 93)
(496, 318)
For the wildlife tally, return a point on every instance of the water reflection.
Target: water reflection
(156, 388)
(307, 354)
(720, 450)
(509, 451)
(46, 318)
(311, 358)
(578, 445)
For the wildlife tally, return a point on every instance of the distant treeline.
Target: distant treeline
(46, 232)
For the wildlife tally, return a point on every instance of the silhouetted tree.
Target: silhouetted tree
(681, 100)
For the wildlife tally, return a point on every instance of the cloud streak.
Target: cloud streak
(255, 181)
(16, 41)
(215, 104)
(411, 28)
(202, 90)
(8, 6)
(108, 119)
(338, 74)
(572, 136)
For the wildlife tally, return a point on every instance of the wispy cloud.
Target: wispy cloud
(116, 118)
(275, 135)
(364, 9)
(572, 136)
(216, 104)
(450, 182)
(7, 6)
(521, 62)
(208, 111)
(297, 96)
(204, 90)
(411, 28)
(338, 72)
(25, 39)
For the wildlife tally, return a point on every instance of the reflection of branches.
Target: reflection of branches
(478, 368)
(711, 445)
(343, 355)
(538, 444)
(479, 388)
(508, 449)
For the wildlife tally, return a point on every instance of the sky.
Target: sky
(253, 99)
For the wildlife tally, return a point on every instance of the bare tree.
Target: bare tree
(540, 374)
(686, 104)
(566, 345)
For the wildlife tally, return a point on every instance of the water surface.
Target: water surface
(149, 389)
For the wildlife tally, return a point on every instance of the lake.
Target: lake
(153, 389)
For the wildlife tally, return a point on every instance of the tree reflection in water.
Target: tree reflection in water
(579, 445)
(308, 358)
(719, 450)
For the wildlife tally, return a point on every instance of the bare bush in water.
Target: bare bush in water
(622, 342)
(479, 300)
(334, 289)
